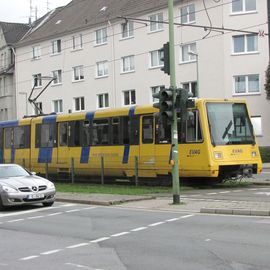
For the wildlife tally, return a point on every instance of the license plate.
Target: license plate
(35, 196)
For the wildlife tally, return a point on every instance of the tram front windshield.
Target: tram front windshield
(229, 123)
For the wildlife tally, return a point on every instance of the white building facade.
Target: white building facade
(116, 62)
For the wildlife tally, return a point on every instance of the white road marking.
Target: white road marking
(119, 234)
(239, 190)
(156, 224)
(50, 252)
(263, 193)
(100, 240)
(78, 245)
(73, 210)
(35, 217)
(55, 214)
(81, 266)
(138, 229)
(29, 258)
(252, 189)
(207, 240)
(15, 220)
(172, 219)
(187, 216)
(211, 193)
(223, 192)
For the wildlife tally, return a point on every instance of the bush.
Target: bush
(265, 153)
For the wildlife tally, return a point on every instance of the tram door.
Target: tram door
(147, 161)
(62, 149)
(1, 146)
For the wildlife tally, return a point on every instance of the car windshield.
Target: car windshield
(12, 171)
(229, 123)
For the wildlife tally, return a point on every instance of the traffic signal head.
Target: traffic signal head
(165, 105)
(183, 102)
(166, 58)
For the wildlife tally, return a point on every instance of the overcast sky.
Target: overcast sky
(19, 10)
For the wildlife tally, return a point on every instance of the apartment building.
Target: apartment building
(10, 33)
(101, 54)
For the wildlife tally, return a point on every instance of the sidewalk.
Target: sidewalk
(187, 204)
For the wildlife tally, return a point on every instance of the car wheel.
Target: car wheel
(2, 207)
(48, 204)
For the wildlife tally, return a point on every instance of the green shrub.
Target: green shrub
(265, 153)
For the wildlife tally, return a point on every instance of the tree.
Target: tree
(267, 82)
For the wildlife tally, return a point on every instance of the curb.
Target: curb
(243, 212)
(103, 203)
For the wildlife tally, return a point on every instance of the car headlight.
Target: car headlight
(51, 186)
(9, 189)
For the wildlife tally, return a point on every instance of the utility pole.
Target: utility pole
(268, 12)
(174, 131)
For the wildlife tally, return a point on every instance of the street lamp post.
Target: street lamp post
(26, 101)
(197, 70)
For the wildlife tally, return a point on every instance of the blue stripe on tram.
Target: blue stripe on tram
(45, 155)
(85, 153)
(126, 154)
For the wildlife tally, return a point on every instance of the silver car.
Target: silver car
(19, 187)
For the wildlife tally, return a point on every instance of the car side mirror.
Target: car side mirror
(33, 173)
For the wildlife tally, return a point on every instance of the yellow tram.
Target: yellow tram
(216, 141)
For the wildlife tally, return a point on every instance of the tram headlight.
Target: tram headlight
(218, 155)
(254, 154)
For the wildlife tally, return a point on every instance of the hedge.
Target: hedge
(265, 154)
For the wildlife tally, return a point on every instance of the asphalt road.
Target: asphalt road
(73, 236)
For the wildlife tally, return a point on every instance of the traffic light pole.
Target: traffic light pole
(174, 132)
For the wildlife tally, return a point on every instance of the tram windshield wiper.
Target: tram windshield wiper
(227, 129)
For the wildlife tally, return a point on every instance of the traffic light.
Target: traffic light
(183, 102)
(165, 105)
(166, 58)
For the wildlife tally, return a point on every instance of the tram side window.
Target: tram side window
(134, 130)
(75, 133)
(163, 132)
(63, 134)
(147, 129)
(193, 127)
(115, 131)
(86, 133)
(8, 138)
(100, 132)
(21, 137)
(45, 135)
(126, 129)
(1, 138)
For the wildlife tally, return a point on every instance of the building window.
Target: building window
(57, 75)
(191, 87)
(58, 106)
(37, 80)
(101, 36)
(155, 58)
(78, 73)
(56, 46)
(102, 68)
(103, 100)
(129, 97)
(240, 6)
(245, 43)
(127, 29)
(185, 55)
(246, 84)
(79, 104)
(3, 86)
(257, 125)
(77, 42)
(156, 22)
(36, 50)
(38, 108)
(187, 14)
(154, 90)
(127, 64)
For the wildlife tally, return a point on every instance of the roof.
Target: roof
(83, 14)
(13, 32)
